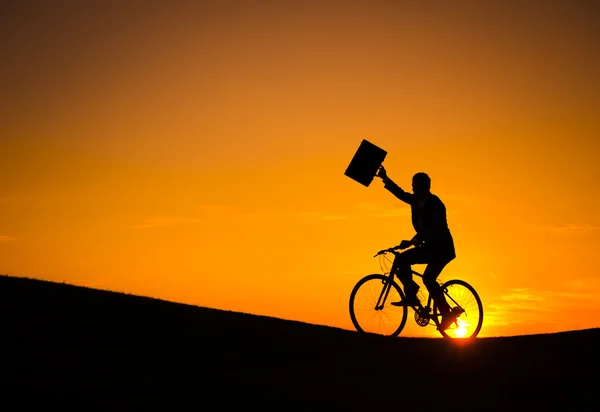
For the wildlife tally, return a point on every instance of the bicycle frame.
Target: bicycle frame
(386, 290)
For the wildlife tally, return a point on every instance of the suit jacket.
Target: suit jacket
(433, 230)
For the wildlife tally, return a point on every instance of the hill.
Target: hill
(71, 346)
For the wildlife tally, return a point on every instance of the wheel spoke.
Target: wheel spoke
(389, 320)
(469, 323)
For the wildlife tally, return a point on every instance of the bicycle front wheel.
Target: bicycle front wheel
(463, 298)
(370, 308)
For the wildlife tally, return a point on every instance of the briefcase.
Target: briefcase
(365, 163)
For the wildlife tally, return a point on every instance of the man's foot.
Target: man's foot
(447, 319)
(407, 301)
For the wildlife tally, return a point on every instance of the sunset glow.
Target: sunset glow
(195, 151)
(461, 329)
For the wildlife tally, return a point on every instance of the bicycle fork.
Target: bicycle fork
(387, 284)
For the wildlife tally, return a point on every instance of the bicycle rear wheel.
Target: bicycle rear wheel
(370, 308)
(463, 298)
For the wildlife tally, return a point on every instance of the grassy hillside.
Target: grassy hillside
(71, 346)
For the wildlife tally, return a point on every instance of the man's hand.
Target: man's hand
(406, 244)
(382, 173)
(381, 252)
(415, 240)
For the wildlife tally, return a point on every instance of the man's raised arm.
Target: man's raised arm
(393, 187)
(398, 191)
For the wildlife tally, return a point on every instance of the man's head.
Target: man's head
(421, 184)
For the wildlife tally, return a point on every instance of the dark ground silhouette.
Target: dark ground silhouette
(69, 346)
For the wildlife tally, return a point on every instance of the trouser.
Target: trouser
(435, 265)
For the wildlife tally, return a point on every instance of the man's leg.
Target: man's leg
(435, 290)
(402, 269)
(432, 271)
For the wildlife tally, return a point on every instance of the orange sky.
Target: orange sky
(196, 153)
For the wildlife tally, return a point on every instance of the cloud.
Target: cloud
(6, 239)
(462, 199)
(363, 211)
(522, 295)
(358, 211)
(528, 305)
(583, 283)
(572, 228)
(158, 221)
(533, 295)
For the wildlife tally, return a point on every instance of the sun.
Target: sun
(461, 329)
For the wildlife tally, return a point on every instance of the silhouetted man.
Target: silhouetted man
(433, 243)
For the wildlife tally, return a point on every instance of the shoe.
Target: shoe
(407, 301)
(448, 318)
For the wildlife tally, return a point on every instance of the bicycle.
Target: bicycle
(374, 292)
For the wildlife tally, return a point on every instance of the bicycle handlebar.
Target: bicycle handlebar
(392, 249)
(381, 252)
